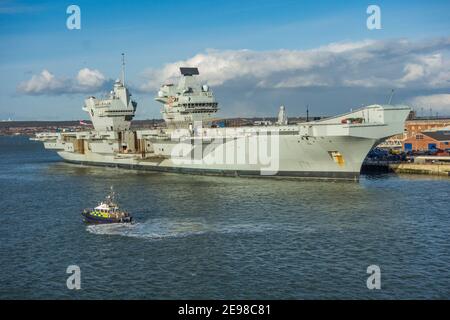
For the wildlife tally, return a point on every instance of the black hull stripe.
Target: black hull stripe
(329, 175)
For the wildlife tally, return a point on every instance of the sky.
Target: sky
(255, 54)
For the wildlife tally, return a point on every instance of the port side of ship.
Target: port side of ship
(332, 148)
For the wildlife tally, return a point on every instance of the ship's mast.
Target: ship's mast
(115, 112)
(123, 69)
(390, 97)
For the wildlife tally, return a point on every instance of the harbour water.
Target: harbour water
(200, 237)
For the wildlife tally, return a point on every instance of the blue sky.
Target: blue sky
(158, 34)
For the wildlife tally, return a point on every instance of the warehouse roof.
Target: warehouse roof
(441, 135)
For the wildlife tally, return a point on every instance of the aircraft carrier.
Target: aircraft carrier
(332, 148)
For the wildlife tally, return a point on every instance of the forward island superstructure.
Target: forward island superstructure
(333, 148)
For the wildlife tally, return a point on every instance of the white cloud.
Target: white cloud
(308, 80)
(438, 102)
(354, 72)
(87, 80)
(43, 82)
(413, 72)
(369, 63)
(90, 78)
(433, 69)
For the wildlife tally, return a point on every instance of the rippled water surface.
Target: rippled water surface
(213, 237)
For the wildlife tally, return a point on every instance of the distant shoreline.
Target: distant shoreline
(61, 123)
(30, 128)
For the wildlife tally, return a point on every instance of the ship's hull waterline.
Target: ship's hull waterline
(314, 175)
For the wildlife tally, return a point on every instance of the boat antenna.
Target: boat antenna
(390, 97)
(123, 69)
(111, 195)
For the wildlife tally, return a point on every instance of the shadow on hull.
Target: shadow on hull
(315, 175)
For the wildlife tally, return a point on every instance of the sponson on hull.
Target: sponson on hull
(332, 148)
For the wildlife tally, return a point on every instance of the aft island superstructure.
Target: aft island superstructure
(333, 148)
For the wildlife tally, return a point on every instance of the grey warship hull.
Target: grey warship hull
(332, 148)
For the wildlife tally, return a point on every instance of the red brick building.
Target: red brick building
(428, 141)
(417, 126)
